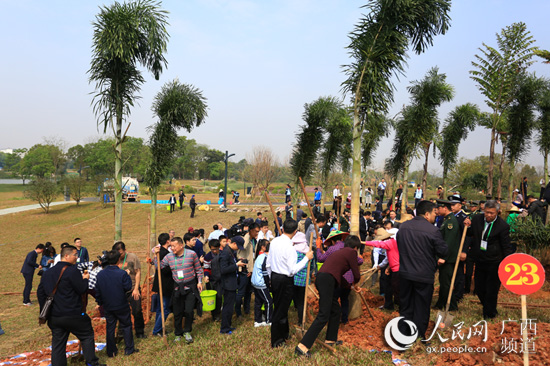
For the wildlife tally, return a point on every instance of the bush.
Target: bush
(43, 191)
(189, 189)
(532, 238)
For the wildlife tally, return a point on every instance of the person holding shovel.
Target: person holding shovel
(329, 279)
(167, 285)
(450, 230)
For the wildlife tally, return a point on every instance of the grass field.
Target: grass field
(247, 346)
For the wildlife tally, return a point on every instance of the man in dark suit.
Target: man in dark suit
(420, 244)
(28, 272)
(490, 245)
(229, 276)
(67, 315)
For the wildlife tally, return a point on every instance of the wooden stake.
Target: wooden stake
(161, 301)
(366, 304)
(338, 212)
(273, 213)
(148, 291)
(307, 280)
(308, 206)
(524, 316)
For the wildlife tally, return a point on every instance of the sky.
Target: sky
(256, 61)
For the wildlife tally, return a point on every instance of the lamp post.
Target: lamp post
(227, 156)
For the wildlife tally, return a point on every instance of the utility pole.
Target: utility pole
(226, 160)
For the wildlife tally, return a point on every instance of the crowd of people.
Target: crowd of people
(408, 249)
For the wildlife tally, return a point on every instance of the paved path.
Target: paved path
(11, 210)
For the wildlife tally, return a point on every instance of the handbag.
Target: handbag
(47, 308)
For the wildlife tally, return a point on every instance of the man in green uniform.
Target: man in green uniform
(452, 235)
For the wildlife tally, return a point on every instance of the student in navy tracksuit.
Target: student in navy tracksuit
(111, 287)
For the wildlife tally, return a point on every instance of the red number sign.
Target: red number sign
(521, 274)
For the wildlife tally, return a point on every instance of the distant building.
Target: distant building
(7, 151)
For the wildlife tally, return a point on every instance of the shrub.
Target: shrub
(43, 191)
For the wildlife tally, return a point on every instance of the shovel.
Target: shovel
(446, 318)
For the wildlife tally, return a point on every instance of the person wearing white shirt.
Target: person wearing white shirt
(265, 233)
(381, 189)
(282, 264)
(418, 195)
(216, 233)
(335, 192)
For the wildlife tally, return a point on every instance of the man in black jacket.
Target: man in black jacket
(28, 272)
(535, 209)
(167, 285)
(229, 277)
(419, 243)
(490, 245)
(111, 287)
(67, 315)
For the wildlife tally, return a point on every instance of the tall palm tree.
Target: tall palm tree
(543, 126)
(496, 72)
(460, 121)
(176, 106)
(126, 36)
(378, 48)
(418, 125)
(323, 141)
(522, 120)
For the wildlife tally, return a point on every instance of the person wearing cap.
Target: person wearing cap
(420, 244)
(440, 193)
(282, 265)
(335, 242)
(489, 246)
(511, 220)
(460, 280)
(187, 274)
(229, 266)
(192, 205)
(386, 240)
(452, 235)
(536, 210)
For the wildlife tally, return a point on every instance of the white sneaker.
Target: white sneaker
(267, 324)
(257, 325)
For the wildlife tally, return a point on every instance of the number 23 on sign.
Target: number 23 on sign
(521, 274)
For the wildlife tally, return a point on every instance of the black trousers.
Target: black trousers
(81, 327)
(329, 311)
(217, 286)
(183, 305)
(192, 212)
(392, 291)
(343, 295)
(227, 310)
(298, 297)
(172, 207)
(283, 287)
(415, 299)
(28, 287)
(137, 312)
(468, 275)
(244, 294)
(458, 290)
(263, 297)
(181, 204)
(487, 287)
(125, 324)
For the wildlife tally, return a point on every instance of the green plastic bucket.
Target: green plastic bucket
(208, 300)
(319, 265)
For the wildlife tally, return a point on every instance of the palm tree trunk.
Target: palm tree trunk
(491, 163)
(546, 166)
(511, 185)
(405, 199)
(499, 187)
(118, 178)
(153, 222)
(444, 181)
(425, 172)
(356, 174)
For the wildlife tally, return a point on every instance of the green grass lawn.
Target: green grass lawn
(21, 232)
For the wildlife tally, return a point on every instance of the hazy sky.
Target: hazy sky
(256, 61)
